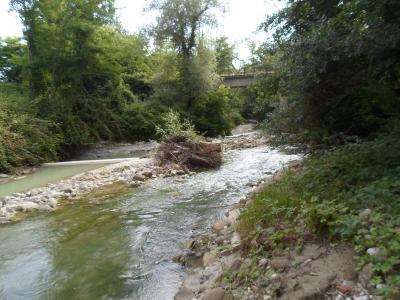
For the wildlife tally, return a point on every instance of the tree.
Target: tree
(224, 56)
(339, 62)
(180, 21)
(178, 25)
(12, 60)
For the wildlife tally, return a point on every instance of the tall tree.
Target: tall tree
(224, 56)
(180, 21)
(178, 24)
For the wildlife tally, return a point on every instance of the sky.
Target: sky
(239, 23)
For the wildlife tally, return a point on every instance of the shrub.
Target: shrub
(173, 126)
(24, 139)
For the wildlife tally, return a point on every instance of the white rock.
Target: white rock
(381, 286)
(53, 202)
(375, 252)
(263, 261)
(29, 206)
(235, 238)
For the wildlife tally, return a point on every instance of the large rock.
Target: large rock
(218, 227)
(209, 258)
(184, 293)
(365, 276)
(217, 294)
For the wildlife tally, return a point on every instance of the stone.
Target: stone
(184, 293)
(209, 258)
(235, 238)
(215, 294)
(147, 173)
(263, 262)
(280, 263)
(4, 176)
(233, 216)
(376, 253)
(139, 177)
(53, 202)
(236, 264)
(218, 227)
(365, 276)
(381, 286)
(45, 208)
(29, 206)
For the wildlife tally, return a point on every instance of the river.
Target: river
(121, 247)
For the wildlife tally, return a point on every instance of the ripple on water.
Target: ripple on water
(122, 248)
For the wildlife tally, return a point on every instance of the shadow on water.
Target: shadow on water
(121, 246)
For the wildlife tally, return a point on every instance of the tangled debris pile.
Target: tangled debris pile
(189, 154)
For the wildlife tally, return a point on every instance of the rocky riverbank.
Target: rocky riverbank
(315, 271)
(131, 172)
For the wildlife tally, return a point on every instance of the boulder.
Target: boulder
(209, 258)
(184, 293)
(139, 177)
(218, 227)
(217, 294)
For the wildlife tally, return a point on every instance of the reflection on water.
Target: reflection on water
(122, 247)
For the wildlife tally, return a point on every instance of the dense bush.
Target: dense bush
(140, 120)
(24, 139)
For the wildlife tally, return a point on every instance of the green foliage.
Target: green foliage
(141, 120)
(213, 114)
(172, 126)
(180, 20)
(338, 66)
(12, 59)
(24, 139)
(330, 191)
(224, 56)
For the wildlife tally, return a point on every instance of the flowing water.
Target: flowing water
(121, 247)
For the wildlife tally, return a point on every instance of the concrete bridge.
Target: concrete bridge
(238, 80)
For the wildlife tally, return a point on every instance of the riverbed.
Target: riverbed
(121, 247)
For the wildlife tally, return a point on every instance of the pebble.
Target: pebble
(46, 198)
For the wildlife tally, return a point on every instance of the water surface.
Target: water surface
(44, 175)
(122, 247)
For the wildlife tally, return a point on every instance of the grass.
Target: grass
(329, 196)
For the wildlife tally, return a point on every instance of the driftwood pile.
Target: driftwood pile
(188, 154)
